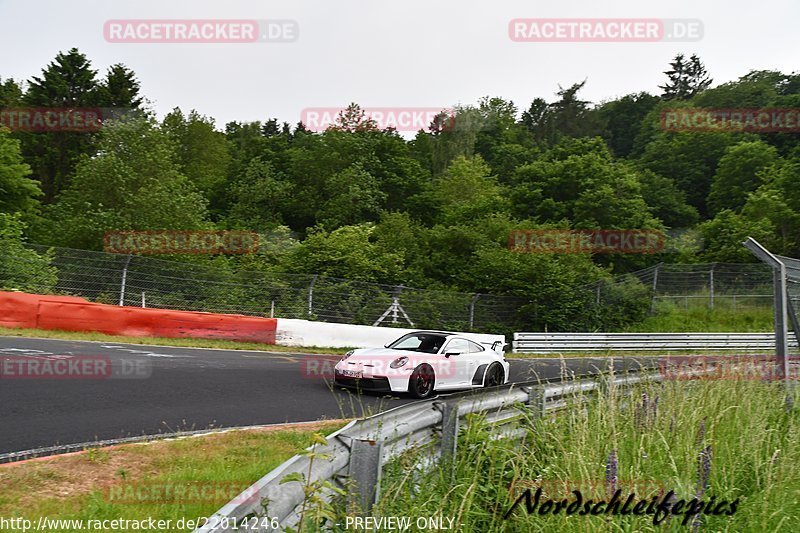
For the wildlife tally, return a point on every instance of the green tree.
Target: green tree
(724, 234)
(352, 196)
(348, 252)
(203, 154)
(258, 197)
(685, 78)
(22, 269)
(67, 82)
(133, 182)
(18, 193)
(578, 181)
(622, 120)
(738, 174)
(690, 160)
(468, 191)
(120, 89)
(10, 93)
(666, 201)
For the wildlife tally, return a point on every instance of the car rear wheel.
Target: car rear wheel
(421, 382)
(495, 375)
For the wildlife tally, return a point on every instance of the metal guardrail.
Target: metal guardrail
(589, 342)
(355, 455)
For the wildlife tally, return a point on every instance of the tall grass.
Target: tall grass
(672, 316)
(723, 438)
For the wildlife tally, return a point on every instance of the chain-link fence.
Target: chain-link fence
(135, 280)
(728, 286)
(606, 305)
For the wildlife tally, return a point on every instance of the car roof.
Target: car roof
(445, 333)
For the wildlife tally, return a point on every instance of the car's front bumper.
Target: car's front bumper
(372, 383)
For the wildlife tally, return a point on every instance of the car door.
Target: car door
(454, 370)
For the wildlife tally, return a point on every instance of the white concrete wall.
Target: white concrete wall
(294, 332)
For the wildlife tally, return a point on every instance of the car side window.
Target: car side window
(474, 347)
(457, 345)
(410, 343)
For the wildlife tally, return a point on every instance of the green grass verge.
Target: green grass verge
(131, 481)
(164, 341)
(673, 318)
(752, 441)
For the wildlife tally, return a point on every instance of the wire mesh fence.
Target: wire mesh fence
(606, 305)
(729, 286)
(135, 280)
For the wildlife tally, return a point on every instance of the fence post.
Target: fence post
(365, 472)
(781, 315)
(311, 294)
(711, 284)
(124, 277)
(272, 309)
(597, 298)
(655, 287)
(143, 305)
(472, 310)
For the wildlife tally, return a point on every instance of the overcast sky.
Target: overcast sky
(410, 53)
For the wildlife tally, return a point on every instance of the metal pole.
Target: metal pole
(597, 298)
(272, 309)
(655, 287)
(711, 280)
(472, 311)
(124, 277)
(143, 305)
(781, 321)
(779, 295)
(311, 294)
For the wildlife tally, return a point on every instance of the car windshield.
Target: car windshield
(419, 342)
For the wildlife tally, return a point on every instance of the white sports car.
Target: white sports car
(423, 362)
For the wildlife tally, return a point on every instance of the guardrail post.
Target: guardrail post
(365, 472)
(449, 431)
(536, 401)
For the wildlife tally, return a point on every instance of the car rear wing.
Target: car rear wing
(497, 346)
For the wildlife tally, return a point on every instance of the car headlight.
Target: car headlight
(348, 354)
(397, 363)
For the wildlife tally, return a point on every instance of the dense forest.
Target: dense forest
(432, 211)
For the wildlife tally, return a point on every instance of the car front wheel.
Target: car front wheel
(421, 382)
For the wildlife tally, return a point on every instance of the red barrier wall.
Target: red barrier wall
(69, 313)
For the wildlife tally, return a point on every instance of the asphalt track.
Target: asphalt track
(158, 389)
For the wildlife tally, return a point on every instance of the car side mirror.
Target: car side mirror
(448, 354)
